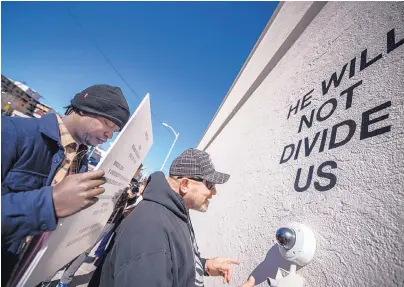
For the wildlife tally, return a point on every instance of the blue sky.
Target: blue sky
(185, 54)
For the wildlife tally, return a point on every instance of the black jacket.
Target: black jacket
(155, 245)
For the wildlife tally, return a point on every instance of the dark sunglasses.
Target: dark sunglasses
(208, 184)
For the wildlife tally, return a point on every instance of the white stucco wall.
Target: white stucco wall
(359, 222)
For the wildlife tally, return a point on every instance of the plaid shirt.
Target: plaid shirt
(73, 154)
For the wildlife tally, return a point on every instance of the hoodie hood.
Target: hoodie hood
(159, 191)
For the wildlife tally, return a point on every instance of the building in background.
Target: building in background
(312, 130)
(32, 93)
(21, 99)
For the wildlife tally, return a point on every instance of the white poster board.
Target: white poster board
(76, 233)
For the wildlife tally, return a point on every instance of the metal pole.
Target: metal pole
(172, 146)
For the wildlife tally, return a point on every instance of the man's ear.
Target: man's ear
(184, 186)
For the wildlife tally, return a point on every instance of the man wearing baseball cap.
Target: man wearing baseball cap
(41, 159)
(165, 252)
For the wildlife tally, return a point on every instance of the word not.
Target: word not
(368, 119)
(320, 116)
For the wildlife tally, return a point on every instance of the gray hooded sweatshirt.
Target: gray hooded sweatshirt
(155, 245)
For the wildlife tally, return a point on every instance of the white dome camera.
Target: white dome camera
(297, 243)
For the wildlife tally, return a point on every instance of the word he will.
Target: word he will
(335, 134)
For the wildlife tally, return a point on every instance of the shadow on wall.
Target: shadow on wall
(269, 267)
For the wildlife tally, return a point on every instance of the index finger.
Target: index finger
(231, 261)
(94, 192)
(95, 174)
(91, 183)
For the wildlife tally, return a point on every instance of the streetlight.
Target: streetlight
(172, 146)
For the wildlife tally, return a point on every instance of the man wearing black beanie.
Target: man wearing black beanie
(41, 159)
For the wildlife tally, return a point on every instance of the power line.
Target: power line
(107, 59)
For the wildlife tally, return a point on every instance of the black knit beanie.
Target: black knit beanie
(105, 101)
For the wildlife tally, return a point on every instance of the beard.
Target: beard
(196, 203)
(199, 207)
(90, 141)
(204, 207)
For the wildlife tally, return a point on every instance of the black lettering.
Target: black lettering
(305, 99)
(334, 79)
(364, 62)
(114, 173)
(332, 101)
(298, 149)
(328, 175)
(352, 127)
(309, 147)
(135, 151)
(283, 160)
(349, 94)
(118, 165)
(352, 68)
(323, 139)
(366, 122)
(132, 158)
(307, 122)
(391, 41)
(294, 108)
(308, 181)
